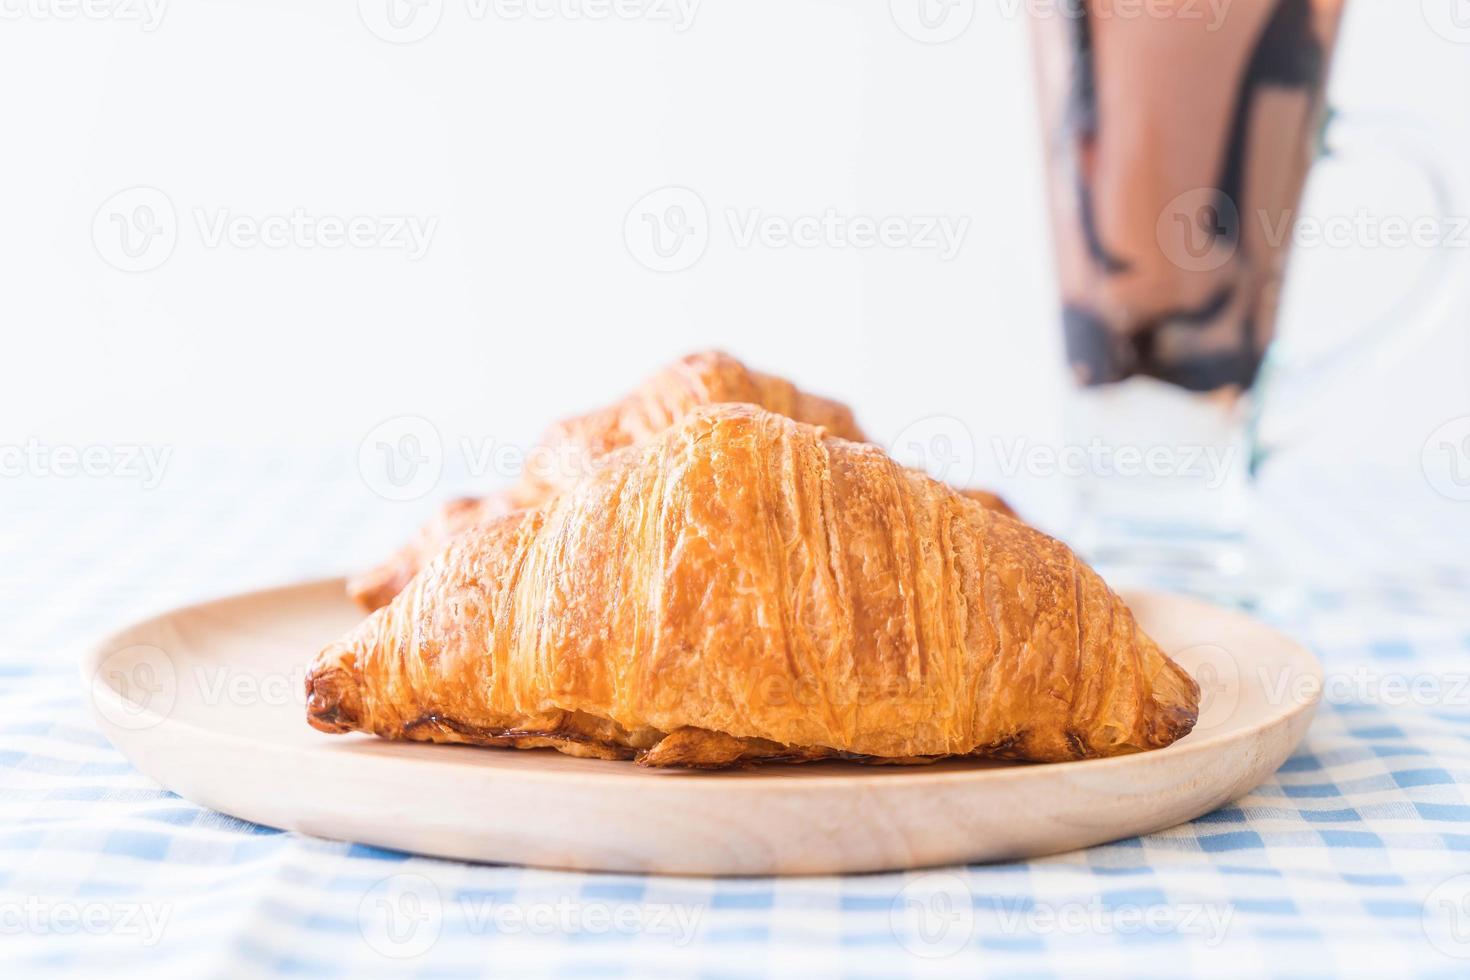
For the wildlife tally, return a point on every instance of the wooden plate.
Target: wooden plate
(208, 700)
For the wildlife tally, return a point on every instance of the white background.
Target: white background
(529, 140)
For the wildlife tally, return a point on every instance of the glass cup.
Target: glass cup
(1178, 139)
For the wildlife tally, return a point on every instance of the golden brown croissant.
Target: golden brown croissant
(573, 447)
(746, 587)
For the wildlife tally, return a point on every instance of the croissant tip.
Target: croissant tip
(1172, 707)
(1175, 713)
(1175, 722)
(333, 704)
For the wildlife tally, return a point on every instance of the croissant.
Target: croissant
(748, 588)
(571, 448)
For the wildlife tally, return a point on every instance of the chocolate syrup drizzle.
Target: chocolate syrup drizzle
(1288, 55)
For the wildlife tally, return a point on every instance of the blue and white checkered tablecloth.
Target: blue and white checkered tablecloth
(1353, 860)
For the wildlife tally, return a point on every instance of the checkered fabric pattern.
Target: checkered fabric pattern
(1353, 860)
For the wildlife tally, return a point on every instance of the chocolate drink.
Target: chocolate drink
(1178, 135)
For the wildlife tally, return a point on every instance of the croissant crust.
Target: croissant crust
(746, 587)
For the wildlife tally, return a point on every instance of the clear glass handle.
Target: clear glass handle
(1294, 376)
